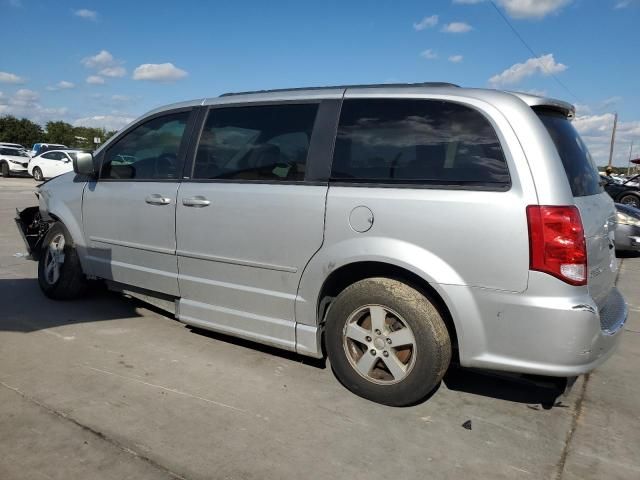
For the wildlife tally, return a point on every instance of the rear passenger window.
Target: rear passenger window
(417, 142)
(268, 143)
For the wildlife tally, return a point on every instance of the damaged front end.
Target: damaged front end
(32, 228)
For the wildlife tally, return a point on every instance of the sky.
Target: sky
(104, 63)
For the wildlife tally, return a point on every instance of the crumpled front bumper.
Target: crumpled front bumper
(32, 229)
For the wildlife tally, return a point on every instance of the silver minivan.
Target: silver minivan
(392, 228)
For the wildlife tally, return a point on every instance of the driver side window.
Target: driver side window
(148, 152)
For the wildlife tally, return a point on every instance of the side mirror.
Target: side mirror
(83, 164)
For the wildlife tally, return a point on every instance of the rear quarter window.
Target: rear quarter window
(579, 167)
(423, 142)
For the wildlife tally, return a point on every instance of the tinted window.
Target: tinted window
(581, 172)
(417, 141)
(50, 156)
(268, 142)
(148, 152)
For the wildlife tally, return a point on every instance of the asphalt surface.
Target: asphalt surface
(107, 388)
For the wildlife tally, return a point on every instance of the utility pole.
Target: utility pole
(613, 137)
(630, 152)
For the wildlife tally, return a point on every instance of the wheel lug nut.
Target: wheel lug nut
(385, 353)
(368, 339)
(378, 332)
(373, 351)
(389, 341)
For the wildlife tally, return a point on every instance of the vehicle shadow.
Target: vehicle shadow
(627, 254)
(24, 308)
(529, 389)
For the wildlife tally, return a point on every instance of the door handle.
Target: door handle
(197, 201)
(157, 199)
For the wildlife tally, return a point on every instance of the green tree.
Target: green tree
(22, 131)
(60, 132)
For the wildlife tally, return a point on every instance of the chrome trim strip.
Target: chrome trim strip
(139, 246)
(237, 261)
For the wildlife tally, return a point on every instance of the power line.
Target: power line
(513, 29)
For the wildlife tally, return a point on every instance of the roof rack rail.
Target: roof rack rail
(375, 85)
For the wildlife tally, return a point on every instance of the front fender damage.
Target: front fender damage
(32, 228)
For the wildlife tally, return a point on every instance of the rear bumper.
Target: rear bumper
(564, 334)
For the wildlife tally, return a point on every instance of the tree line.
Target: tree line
(25, 132)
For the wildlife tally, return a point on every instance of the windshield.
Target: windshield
(581, 172)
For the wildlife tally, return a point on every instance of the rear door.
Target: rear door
(252, 216)
(129, 212)
(596, 207)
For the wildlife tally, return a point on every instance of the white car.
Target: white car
(51, 164)
(13, 161)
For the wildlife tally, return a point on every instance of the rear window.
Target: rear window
(581, 172)
(427, 142)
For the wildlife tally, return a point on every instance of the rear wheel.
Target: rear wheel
(60, 274)
(387, 342)
(631, 200)
(5, 170)
(37, 174)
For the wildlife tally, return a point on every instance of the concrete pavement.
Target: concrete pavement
(106, 387)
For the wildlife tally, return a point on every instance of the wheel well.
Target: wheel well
(346, 275)
(629, 192)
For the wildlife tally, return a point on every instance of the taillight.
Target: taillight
(556, 243)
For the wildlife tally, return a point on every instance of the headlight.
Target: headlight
(625, 219)
(16, 162)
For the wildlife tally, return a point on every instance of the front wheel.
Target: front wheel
(59, 271)
(5, 170)
(387, 342)
(631, 200)
(37, 174)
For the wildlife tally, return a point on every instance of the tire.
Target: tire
(66, 281)
(37, 174)
(630, 199)
(392, 375)
(5, 170)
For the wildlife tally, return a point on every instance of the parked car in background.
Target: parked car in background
(627, 228)
(13, 145)
(627, 192)
(52, 163)
(13, 161)
(40, 148)
(316, 218)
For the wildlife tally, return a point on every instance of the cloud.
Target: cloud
(61, 85)
(108, 122)
(544, 65)
(86, 14)
(6, 77)
(429, 54)
(158, 72)
(95, 80)
(426, 22)
(595, 130)
(113, 72)
(121, 98)
(456, 58)
(25, 103)
(626, 3)
(101, 59)
(457, 27)
(532, 8)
